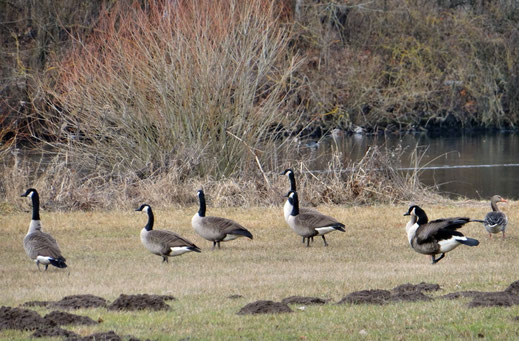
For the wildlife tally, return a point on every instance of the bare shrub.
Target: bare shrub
(199, 84)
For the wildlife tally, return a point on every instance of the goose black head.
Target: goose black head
(201, 198)
(29, 193)
(417, 211)
(144, 207)
(287, 171)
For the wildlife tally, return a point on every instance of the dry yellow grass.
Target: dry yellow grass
(106, 258)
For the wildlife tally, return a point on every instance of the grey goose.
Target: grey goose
(163, 243)
(287, 209)
(310, 224)
(435, 237)
(40, 246)
(216, 229)
(495, 221)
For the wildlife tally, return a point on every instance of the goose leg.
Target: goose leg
(503, 235)
(38, 264)
(308, 242)
(46, 266)
(324, 239)
(214, 244)
(304, 240)
(489, 235)
(164, 259)
(434, 261)
(218, 244)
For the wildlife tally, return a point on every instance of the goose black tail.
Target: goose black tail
(58, 262)
(469, 242)
(339, 228)
(195, 248)
(242, 232)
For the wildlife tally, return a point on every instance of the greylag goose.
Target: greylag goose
(495, 221)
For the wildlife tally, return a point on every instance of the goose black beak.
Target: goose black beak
(405, 214)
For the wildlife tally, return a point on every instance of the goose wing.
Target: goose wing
(316, 219)
(496, 219)
(226, 226)
(440, 229)
(41, 244)
(168, 239)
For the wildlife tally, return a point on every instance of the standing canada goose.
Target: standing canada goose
(216, 229)
(495, 221)
(437, 236)
(310, 224)
(287, 209)
(40, 246)
(163, 243)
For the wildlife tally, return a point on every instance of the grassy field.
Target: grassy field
(106, 258)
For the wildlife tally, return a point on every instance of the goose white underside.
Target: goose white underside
(180, 250)
(324, 230)
(230, 237)
(43, 260)
(450, 244)
(287, 209)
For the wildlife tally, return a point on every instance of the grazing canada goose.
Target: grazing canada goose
(437, 236)
(310, 224)
(287, 209)
(40, 246)
(216, 229)
(163, 243)
(495, 221)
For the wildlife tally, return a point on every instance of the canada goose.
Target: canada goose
(495, 221)
(163, 243)
(310, 224)
(216, 229)
(287, 209)
(40, 246)
(437, 236)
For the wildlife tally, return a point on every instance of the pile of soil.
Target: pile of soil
(106, 336)
(60, 318)
(20, 319)
(139, 302)
(303, 300)
(234, 297)
(264, 307)
(375, 296)
(79, 302)
(53, 332)
(406, 292)
(506, 298)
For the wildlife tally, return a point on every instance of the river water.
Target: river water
(476, 166)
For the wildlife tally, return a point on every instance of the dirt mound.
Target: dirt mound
(60, 318)
(375, 296)
(20, 319)
(492, 299)
(106, 336)
(139, 302)
(506, 298)
(79, 302)
(265, 307)
(513, 289)
(165, 297)
(303, 300)
(53, 332)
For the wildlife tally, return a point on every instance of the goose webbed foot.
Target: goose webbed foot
(324, 239)
(434, 261)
